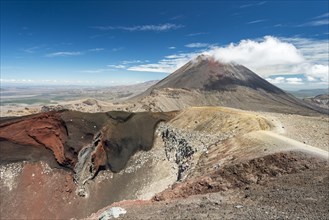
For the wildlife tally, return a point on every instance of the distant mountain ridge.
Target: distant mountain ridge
(319, 100)
(307, 93)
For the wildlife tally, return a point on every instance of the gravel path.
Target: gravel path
(313, 131)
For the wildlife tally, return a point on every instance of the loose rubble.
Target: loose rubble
(8, 173)
(113, 212)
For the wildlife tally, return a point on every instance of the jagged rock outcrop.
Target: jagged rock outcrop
(319, 100)
(48, 108)
(184, 147)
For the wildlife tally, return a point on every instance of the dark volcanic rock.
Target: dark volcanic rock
(13, 152)
(66, 133)
(121, 135)
(52, 108)
(126, 137)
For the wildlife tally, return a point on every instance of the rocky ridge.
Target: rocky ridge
(183, 148)
(319, 100)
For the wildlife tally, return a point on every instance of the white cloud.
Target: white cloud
(97, 70)
(156, 68)
(64, 54)
(117, 49)
(171, 48)
(313, 50)
(274, 56)
(157, 28)
(294, 80)
(197, 45)
(278, 25)
(282, 80)
(268, 56)
(311, 79)
(197, 34)
(117, 66)
(256, 21)
(16, 80)
(316, 23)
(96, 49)
(315, 53)
(167, 65)
(177, 17)
(325, 15)
(277, 80)
(32, 49)
(253, 4)
(318, 71)
(125, 62)
(73, 53)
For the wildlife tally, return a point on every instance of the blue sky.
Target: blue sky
(124, 42)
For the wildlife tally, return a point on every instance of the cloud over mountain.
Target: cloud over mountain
(266, 56)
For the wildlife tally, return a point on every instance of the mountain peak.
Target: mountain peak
(205, 72)
(210, 58)
(202, 57)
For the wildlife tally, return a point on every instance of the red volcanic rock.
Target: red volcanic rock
(42, 130)
(99, 156)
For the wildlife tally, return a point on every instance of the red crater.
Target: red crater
(42, 130)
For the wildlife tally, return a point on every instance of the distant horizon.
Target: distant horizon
(110, 43)
(53, 86)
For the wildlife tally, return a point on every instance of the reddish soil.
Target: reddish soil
(39, 191)
(255, 171)
(42, 130)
